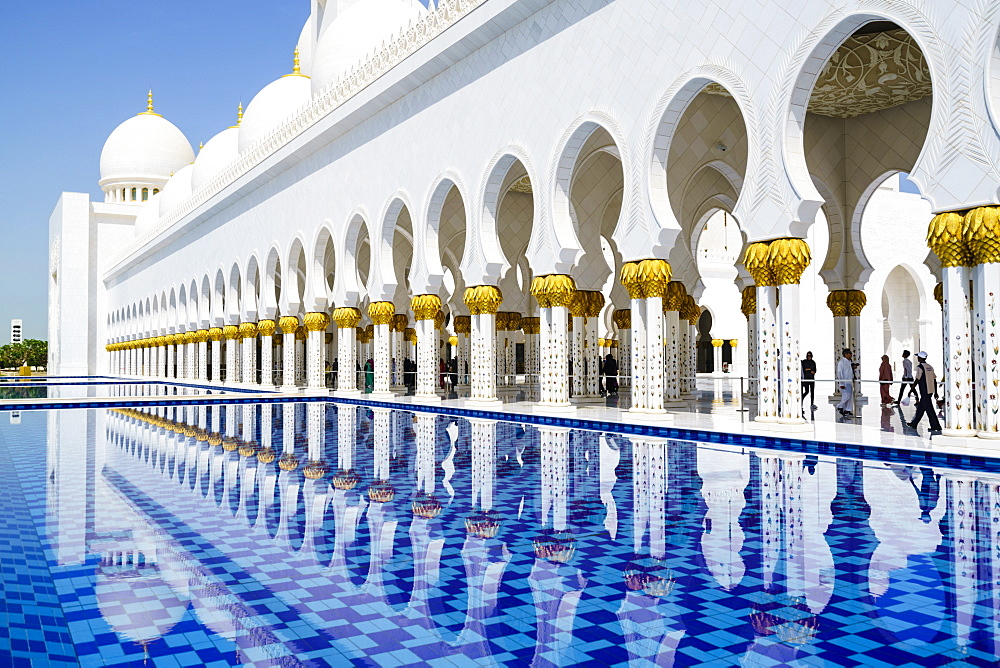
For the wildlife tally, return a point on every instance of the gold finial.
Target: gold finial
(149, 105)
(296, 64)
(201, 145)
(239, 114)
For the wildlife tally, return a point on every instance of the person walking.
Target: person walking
(809, 379)
(885, 381)
(926, 381)
(610, 368)
(845, 379)
(907, 378)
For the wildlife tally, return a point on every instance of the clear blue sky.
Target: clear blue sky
(72, 70)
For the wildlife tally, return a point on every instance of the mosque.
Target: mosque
(529, 185)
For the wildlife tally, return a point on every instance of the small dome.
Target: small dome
(355, 34)
(145, 148)
(177, 190)
(149, 214)
(271, 106)
(216, 155)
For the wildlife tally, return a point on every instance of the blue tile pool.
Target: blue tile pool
(316, 533)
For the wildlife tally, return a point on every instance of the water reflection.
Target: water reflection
(387, 534)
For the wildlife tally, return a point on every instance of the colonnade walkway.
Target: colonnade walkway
(717, 405)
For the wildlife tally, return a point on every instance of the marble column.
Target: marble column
(289, 324)
(846, 307)
(483, 301)
(300, 356)
(202, 343)
(646, 282)
(191, 346)
(381, 314)
(623, 321)
(758, 265)
(215, 334)
(316, 323)
(397, 332)
(230, 333)
(554, 294)
(717, 356)
(673, 301)
(266, 330)
(248, 349)
(171, 356)
(463, 328)
(425, 309)
(347, 320)
(749, 309)
(958, 415)
(981, 228)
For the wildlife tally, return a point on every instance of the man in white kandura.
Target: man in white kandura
(845, 379)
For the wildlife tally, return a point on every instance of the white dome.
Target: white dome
(305, 47)
(355, 34)
(144, 148)
(177, 190)
(216, 155)
(274, 104)
(149, 214)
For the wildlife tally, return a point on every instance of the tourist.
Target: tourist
(885, 380)
(611, 373)
(926, 382)
(907, 378)
(809, 379)
(845, 378)
(369, 376)
(442, 372)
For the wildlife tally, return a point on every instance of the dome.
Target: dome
(305, 47)
(216, 155)
(274, 104)
(355, 34)
(149, 214)
(145, 148)
(177, 190)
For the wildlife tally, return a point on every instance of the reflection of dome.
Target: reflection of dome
(136, 603)
(177, 190)
(272, 105)
(144, 150)
(149, 214)
(216, 155)
(355, 34)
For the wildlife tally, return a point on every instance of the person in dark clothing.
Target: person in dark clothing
(809, 379)
(610, 367)
(926, 383)
(907, 378)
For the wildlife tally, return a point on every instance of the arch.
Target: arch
(270, 295)
(323, 270)
(483, 259)
(808, 63)
(206, 302)
(182, 309)
(219, 298)
(383, 280)
(251, 288)
(194, 315)
(428, 266)
(564, 242)
(351, 276)
(294, 280)
(233, 295)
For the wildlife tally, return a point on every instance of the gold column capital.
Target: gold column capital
(553, 290)
(346, 317)
(645, 278)
(463, 324)
(230, 332)
(381, 312)
(483, 299)
(316, 321)
(622, 318)
(981, 230)
(946, 237)
(788, 259)
(266, 327)
(214, 333)
(399, 322)
(425, 307)
(288, 324)
(718, 342)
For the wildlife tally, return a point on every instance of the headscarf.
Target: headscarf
(885, 369)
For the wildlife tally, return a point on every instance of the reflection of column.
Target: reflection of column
(725, 475)
(266, 330)
(463, 327)
(289, 324)
(381, 314)
(483, 302)
(554, 294)
(316, 324)
(484, 439)
(347, 320)
(425, 310)
(646, 282)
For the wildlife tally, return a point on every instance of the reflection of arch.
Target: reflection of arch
(810, 58)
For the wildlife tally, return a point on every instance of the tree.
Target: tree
(30, 351)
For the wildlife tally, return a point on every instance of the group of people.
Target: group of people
(920, 382)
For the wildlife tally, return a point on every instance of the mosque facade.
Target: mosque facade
(528, 185)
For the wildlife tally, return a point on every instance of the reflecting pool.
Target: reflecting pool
(322, 534)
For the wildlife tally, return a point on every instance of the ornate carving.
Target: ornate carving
(215, 334)
(749, 301)
(266, 327)
(788, 259)
(288, 324)
(981, 230)
(346, 317)
(229, 332)
(622, 318)
(531, 325)
(317, 321)
(381, 312)
(553, 290)
(646, 278)
(248, 330)
(674, 296)
(463, 324)
(945, 236)
(483, 299)
(522, 185)
(844, 303)
(425, 307)
(757, 263)
(410, 334)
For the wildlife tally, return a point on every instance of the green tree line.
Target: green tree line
(30, 351)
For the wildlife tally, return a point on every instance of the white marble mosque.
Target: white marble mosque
(527, 185)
